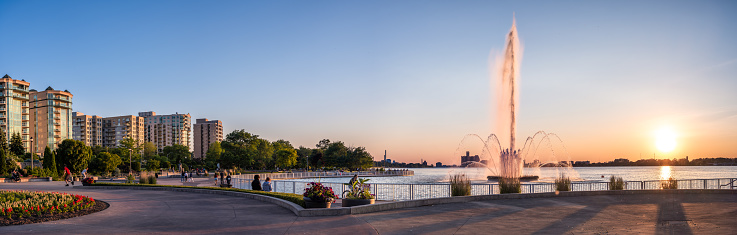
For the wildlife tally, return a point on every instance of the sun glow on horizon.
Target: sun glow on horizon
(665, 139)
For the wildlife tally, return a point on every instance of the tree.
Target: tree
(3, 142)
(16, 145)
(4, 163)
(152, 165)
(214, 152)
(177, 153)
(104, 163)
(50, 161)
(286, 158)
(335, 154)
(302, 156)
(149, 150)
(74, 154)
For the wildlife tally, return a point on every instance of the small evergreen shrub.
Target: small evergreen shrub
(563, 183)
(152, 179)
(670, 183)
(460, 185)
(509, 185)
(616, 183)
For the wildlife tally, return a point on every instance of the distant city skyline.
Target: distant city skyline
(410, 77)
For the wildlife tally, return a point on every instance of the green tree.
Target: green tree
(286, 158)
(74, 154)
(16, 145)
(4, 164)
(214, 152)
(104, 163)
(152, 165)
(336, 154)
(3, 142)
(302, 156)
(358, 158)
(177, 153)
(149, 150)
(50, 161)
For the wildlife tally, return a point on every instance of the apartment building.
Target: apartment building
(50, 118)
(87, 128)
(118, 128)
(167, 130)
(205, 133)
(107, 131)
(14, 108)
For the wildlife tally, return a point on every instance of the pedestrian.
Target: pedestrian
(256, 184)
(67, 175)
(216, 179)
(227, 180)
(267, 184)
(184, 177)
(354, 179)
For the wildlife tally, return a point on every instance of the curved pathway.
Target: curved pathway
(148, 211)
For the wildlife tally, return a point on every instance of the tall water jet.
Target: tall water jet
(508, 100)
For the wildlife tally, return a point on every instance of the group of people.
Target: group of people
(223, 176)
(187, 177)
(256, 184)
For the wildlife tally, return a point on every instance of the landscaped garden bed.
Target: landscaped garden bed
(25, 207)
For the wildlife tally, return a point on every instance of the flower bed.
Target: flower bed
(21, 207)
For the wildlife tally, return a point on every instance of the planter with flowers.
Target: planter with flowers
(88, 181)
(318, 196)
(359, 193)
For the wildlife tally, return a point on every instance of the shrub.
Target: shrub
(460, 185)
(670, 183)
(563, 183)
(130, 179)
(509, 185)
(152, 179)
(116, 172)
(616, 183)
(359, 189)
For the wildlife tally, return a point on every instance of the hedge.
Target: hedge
(295, 198)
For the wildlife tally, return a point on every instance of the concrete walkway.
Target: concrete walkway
(144, 211)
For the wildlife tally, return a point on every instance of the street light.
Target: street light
(32, 153)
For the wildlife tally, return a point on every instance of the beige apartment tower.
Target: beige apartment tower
(87, 128)
(108, 131)
(50, 117)
(14, 109)
(167, 130)
(205, 133)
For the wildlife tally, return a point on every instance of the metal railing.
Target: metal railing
(326, 174)
(403, 192)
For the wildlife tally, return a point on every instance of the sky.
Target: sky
(409, 77)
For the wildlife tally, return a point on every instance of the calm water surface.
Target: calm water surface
(632, 173)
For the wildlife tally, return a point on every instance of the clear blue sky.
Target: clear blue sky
(411, 77)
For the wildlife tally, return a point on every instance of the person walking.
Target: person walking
(267, 184)
(67, 175)
(216, 179)
(256, 184)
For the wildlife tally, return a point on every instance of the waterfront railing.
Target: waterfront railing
(326, 174)
(403, 192)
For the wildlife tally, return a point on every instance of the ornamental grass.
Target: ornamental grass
(670, 183)
(509, 185)
(562, 183)
(460, 185)
(616, 183)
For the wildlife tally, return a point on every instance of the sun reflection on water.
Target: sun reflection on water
(665, 172)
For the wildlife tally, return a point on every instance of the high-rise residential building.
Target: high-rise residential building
(167, 130)
(118, 128)
(50, 117)
(107, 131)
(87, 128)
(205, 133)
(14, 109)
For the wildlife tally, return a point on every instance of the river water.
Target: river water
(548, 174)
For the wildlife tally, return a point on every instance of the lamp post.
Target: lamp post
(31, 153)
(130, 168)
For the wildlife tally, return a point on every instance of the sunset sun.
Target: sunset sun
(665, 140)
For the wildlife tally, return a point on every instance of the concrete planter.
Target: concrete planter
(357, 202)
(313, 204)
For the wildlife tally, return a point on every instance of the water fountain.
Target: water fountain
(544, 149)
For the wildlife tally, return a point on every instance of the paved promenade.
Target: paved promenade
(165, 212)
